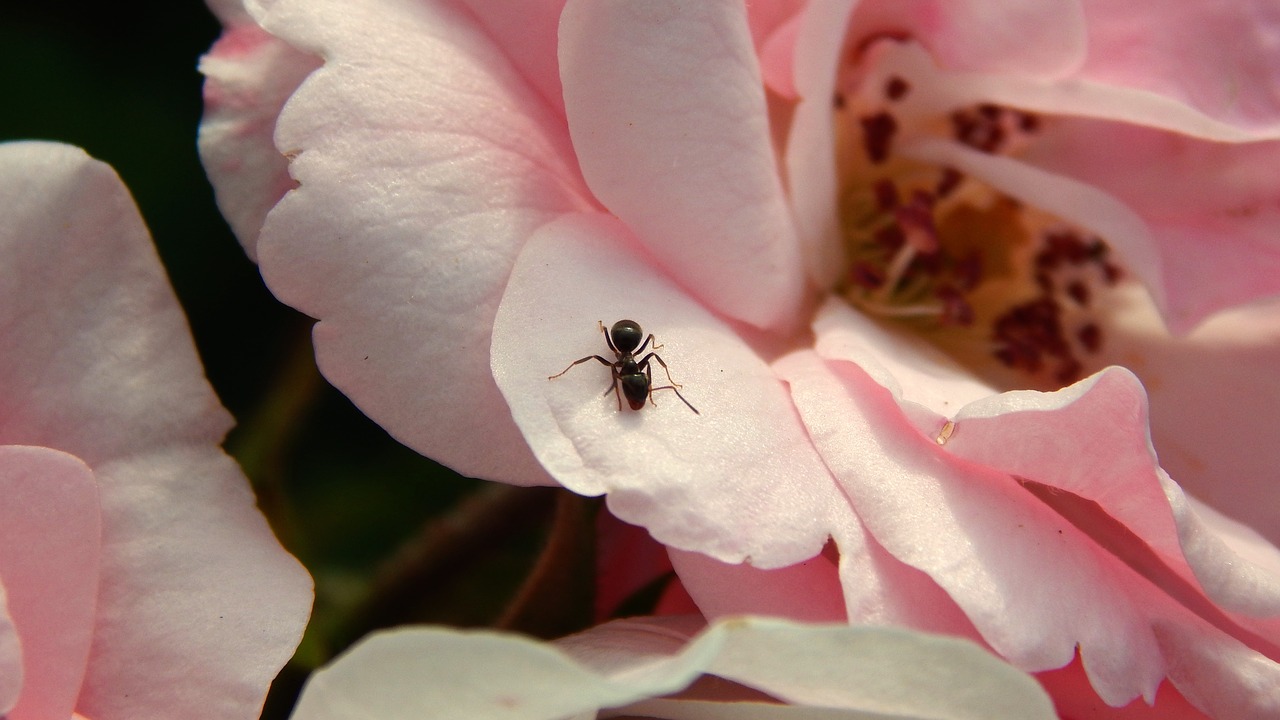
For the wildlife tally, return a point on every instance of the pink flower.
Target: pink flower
(671, 668)
(917, 289)
(137, 578)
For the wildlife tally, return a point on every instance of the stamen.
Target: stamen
(1078, 292)
(1112, 273)
(897, 268)
(1030, 334)
(865, 275)
(1029, 331)
(887, 197)
(877, 135)
(895, 88)
(955, 309)
(946, 252)
(900, 311)
(968, 271)
(951, 179)
(1069, 372)
(1090, 336)
(981, 130)
(916, 220)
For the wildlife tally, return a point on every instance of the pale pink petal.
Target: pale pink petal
(939, 89)
(667, 111)
(927, 382)
(777, 58)
(49, 553)
(1035, 582)
(808, 591)
(877, 670)
(1193, 218)
(1041, 437)
(1214, 528)
(775, 25)
(95, 358)
(860, 583)
(1236, 568)
(1212, 397)
(766, 17)
(415, 673)
(649, 649)
(741, 480)
(1219, 675)
(1210, 207)
(10, 657)
(1071, 200)
(823, 669)
(1120, 475)
(628, 560)
(879, 589)
(1221, 58)
(248, 77)
(199, 606)
(424, 159)
(810, 160)
(526, 30)
(1074, 697)
(1042, 38)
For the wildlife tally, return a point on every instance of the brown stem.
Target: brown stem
(557, 596)
(443, 549)
(263, 442)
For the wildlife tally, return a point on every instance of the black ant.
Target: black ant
(635, 376)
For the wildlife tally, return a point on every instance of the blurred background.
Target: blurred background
(389, 536)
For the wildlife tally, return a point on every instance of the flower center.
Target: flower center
(975, 271)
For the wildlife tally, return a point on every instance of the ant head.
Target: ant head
(626, 335)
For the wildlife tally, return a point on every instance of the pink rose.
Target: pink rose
(137, 578)
(913, 262)
(671, 667)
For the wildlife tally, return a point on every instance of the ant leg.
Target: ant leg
(645, 344)
(607, 339)
(578, 362)
(614, 386)
(655, 356)
(673, 387)
(648, 373)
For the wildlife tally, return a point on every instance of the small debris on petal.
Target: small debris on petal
(948, 429)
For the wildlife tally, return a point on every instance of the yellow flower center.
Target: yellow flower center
(975, 271)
